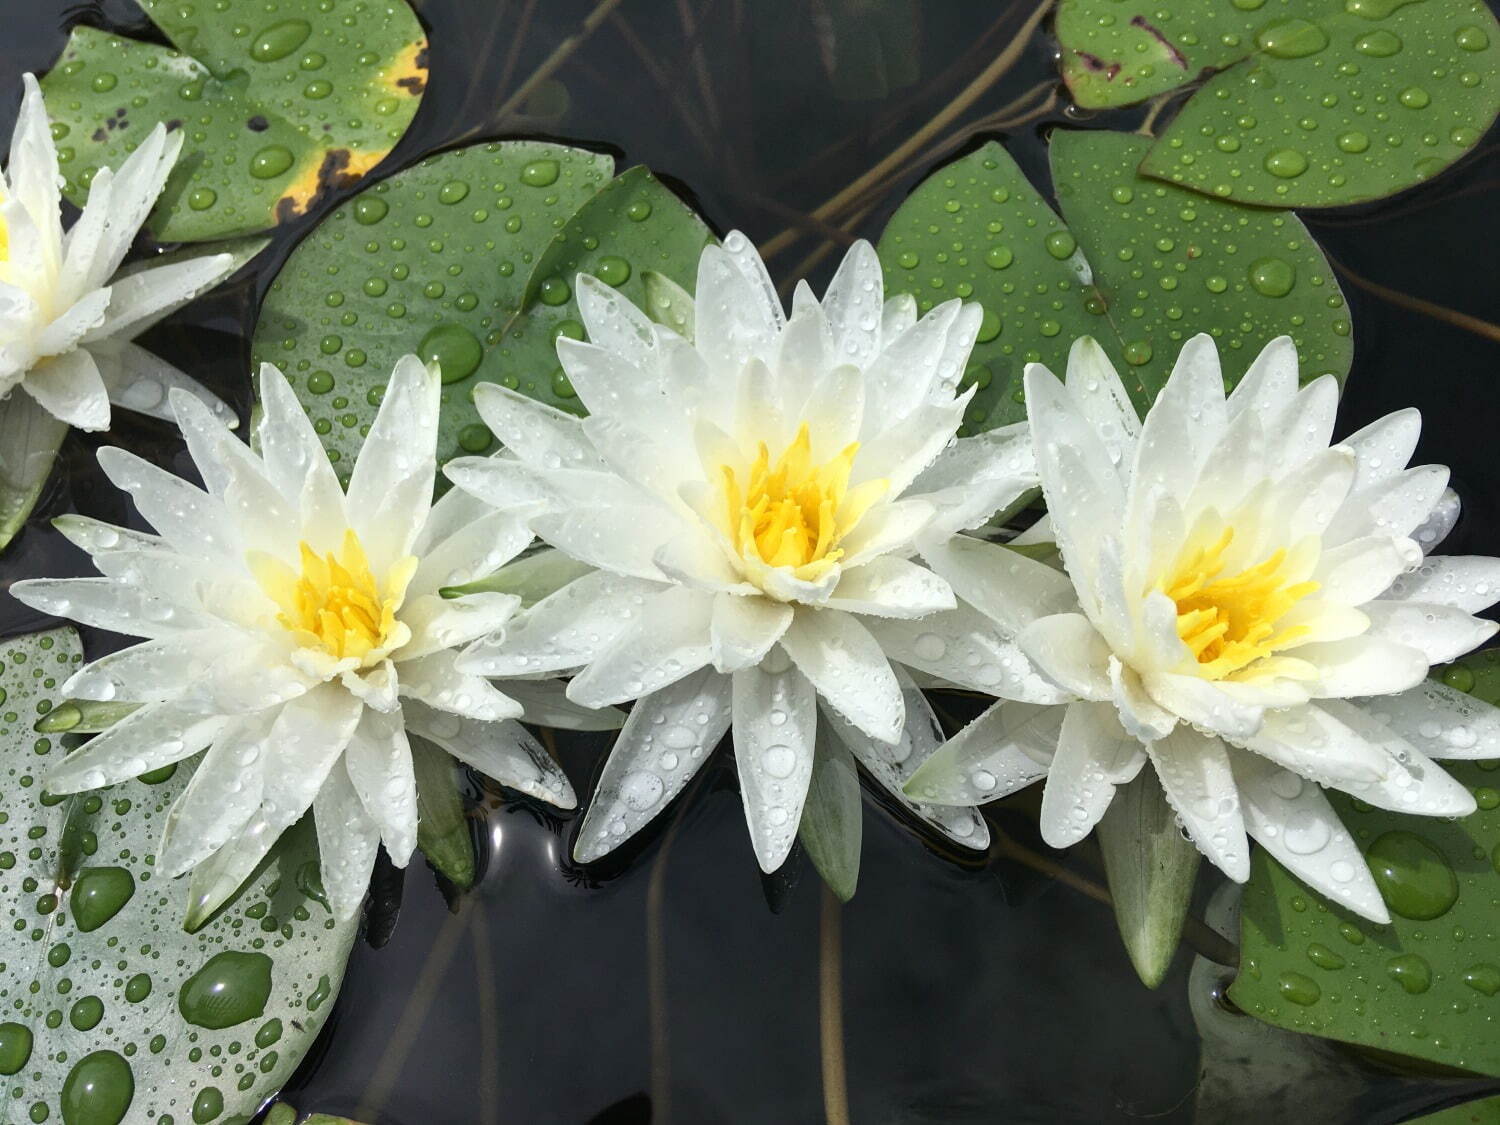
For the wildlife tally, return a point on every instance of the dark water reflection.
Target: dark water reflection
(667, 986)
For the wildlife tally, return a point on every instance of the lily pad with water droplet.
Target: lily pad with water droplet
(434, 260)
(110, 1010)
(1311, 103)
(280, 100)
(1140, 265)
(1428, 984)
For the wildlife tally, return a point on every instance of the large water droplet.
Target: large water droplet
(1272, 277)
(15, 1047)
(280, 40)
(1291, 38)
(270, 162)
(1411, 972)
(98, 894)
(232, 988)
(455, 348)
(1298, 988)
(1415, 878)
(98, 1090)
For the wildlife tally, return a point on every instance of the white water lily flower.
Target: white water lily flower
(1244, 606)
(751, 501)
(66, 316)
(296, 634)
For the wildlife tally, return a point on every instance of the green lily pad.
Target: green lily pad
(434, 260)
(280, 99)
(1314, 103)
(1140, 265)
(1485, 1111)
(1426, 985)
(633, 228)
(108, 1005)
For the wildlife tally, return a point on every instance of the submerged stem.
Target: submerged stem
(1480, 327)
(918, 140)
(558, 56)
(831, 1010)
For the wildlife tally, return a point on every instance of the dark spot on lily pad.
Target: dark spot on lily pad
(257, 124)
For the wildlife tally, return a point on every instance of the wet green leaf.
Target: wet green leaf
(633, 227)
(442, 829)
(1426, 985)
(280, 99)
(434, 260)
(832, 824)
(108, 1005)
(1140, 265)
(29, 441)
(1485, 1111)
(1316, 103)
(1151, 869)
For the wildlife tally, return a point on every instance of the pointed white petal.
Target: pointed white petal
(1094, 755)
(1439, 721)
(546, 704)
(846, 664)
(743, 629)
(437, 681)
(347, 842)
(156, 735)
(670, 640)
(1195, 775)
(224, 793)
(775, 723)
(664, 742)
(891, 587)
(505, 751)
(70, 388)
(1414, 784)
(390, 490)
(1467, 582)
(1003, 750)
(965, 648)
(1440, 633)
(378, 760)
(1293, 821)
(1069, 651)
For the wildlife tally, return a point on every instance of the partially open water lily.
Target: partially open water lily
(296, 633)
(1244, 605)
(67, 316)
(751, 500)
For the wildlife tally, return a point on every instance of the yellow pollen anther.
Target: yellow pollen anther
(335, 603)
(795, 513)
(1230, 621)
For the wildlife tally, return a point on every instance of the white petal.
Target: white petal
(156, 735)
(1003, 584)
(141, 381)
(1139, 713)
(70, 388)
(1362, 666)
(154, 670)
(1310, 741)
(347, 842)
(147, 296)
(1102, 398)
(666, 739)
(667, 642)
(106, 604)
(1383, 448)
(1440, 633)
(224, 793)
(296, 462)
(975, 477)
(185, 516)
(1394, 506)
(535, 432)
(1194, 774)
(1203, 704)
(65, 330)
(613, 322)
(390, 489)
(846, 664)
(893, 764)
(442, 623)
(853, 304)
(1414, 784)
(891, 587)
(1440, 721)
(1304, 426)
(1269, 383)
(743, 629)
(1293, 821)
(138, 182)
(965, 648)
(505, 751)
(1467, 582)
(305, 743)
(1356, 571)
(437, 681)
(476, 551)
(1003, 750)
(1094, 755)
(1069, 651)
(733, 322)
(378, 759)
(566, 629)
(775, 723)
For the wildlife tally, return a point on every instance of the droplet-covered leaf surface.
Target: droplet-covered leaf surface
(1140, 265)
(109, 1011)
(279, 100)
(1427, 984)
(434, 260)
(633, 227)
(1315, 103)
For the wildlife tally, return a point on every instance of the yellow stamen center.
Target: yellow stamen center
(1230, 621)
(795, 513)
(336, 604)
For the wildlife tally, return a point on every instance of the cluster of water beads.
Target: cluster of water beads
(108, 1001)
(1156, 258)
(433, 261)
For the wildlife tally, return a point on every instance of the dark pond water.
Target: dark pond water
(677, 984)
